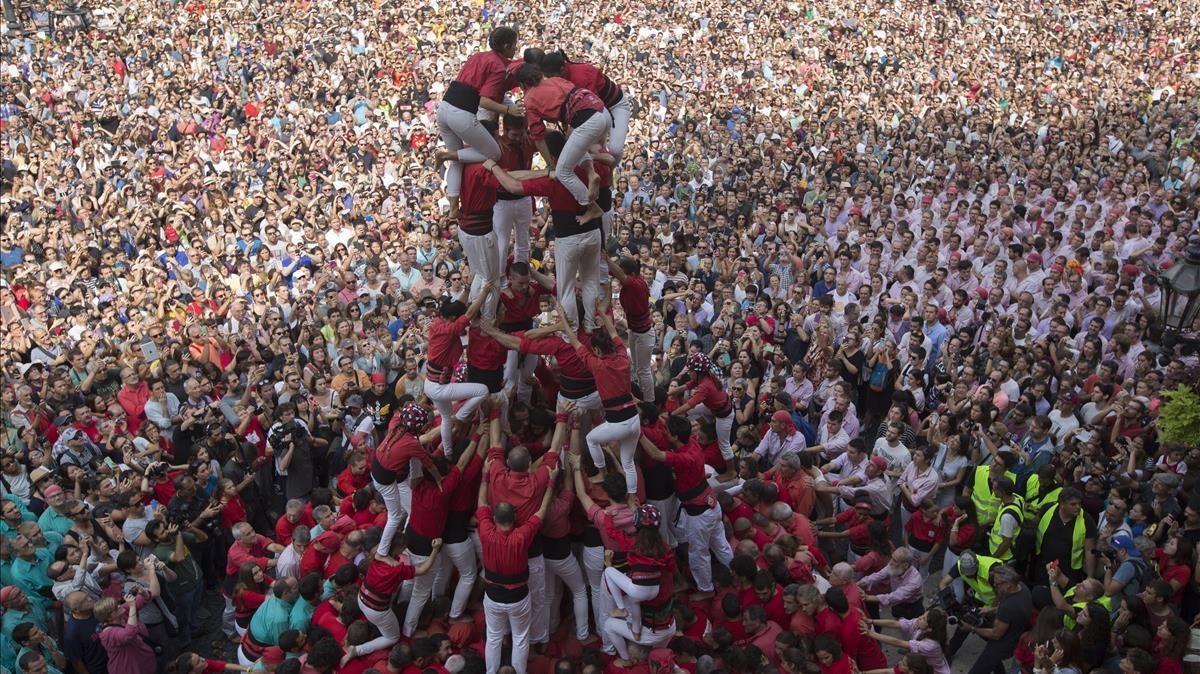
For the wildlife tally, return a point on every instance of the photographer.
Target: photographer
(184, 580)
(1124, 570)
(141, 578)
(975, 572)
(1014, 606)
(190, 510)
(290, 442)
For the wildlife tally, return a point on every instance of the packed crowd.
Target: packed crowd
(594, 337)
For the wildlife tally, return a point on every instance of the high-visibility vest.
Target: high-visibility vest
(995, 539)
(1035, 505)
(986, 503)
(1103, 600)
(1078, 534)
(980, 585)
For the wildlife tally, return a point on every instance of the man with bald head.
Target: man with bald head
(85, 654)
(512, 480)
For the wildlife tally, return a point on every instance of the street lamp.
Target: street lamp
(1180, 301)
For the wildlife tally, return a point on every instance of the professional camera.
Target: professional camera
(966, 612)
(282, 434)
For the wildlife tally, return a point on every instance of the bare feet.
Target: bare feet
(442, 156)
(608, 557)
(618, 613)
(594, 211)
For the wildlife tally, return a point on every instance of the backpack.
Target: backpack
(879, 377)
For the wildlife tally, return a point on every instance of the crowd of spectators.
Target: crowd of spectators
(917, 243)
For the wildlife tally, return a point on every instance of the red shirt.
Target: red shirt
(505, 553)
(327, 616)
(348, 483)
(284, 527)
(445, 341)
(520, 309)
(687, 462)
(395, 455)
(635, 300)
(570, 364)
(563, 206)
(312, 560)
(467, 490)
(485, 72)
(593, 79)
(924, 532)
(545, 102)
(523, 491)
(335, 561)
(385, 580)
(484, 352)
(477, 199)
(240, 554)
(611, 372)
(430, 504)
(709, 392)
(863, 649)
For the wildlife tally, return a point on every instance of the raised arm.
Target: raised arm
(507, 181)
(473, 310)
(615, 270)
(652, 451)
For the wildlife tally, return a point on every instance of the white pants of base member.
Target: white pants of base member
(504, 619)
(621, 113)
(484, 258)
(568, 572)
(724, 428)
(590, 404)
(462, 555)
(578, 254)
(422, 590)
(395, 511)
(605, 236)
(593, 566)
(641, 362)
(621, 634)
(242, 659)
(539, 620)
(705, 535)
(458, 128)
(592, 132)
(511, 219)
(628, 595)
(669, 507)
(386, 623)
(518, 368)
(625, 432)
(444, 397)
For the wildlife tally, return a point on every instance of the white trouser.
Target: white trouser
(229, 618)
(723, 427)
(484, 258)
(395, 512)
(669, 508)
(628, 595)
(422, 590)
(444, 397)
(620, 633)
(386, 623)
(949, 563)
(705, 535)
(593, 565)
(243, 660)
(458, 128)
(504, 619)
(578, 254)
(605, 236)
(625, 432)
(539, 623)
(463, 557)
(519, 378)
(641, 362)
(567, 570)
(582, 138)
(621, 113)
(509, 216)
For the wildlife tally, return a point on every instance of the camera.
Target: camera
(966, 612)
(291, 432)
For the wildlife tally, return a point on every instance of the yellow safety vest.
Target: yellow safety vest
(986, 503)
(1034, 505)
(1077, 535)
(980, 585)
(1069, 622)
(994, 537)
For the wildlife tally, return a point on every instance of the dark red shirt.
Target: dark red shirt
(477, 199)
(592, 78)
(385, 580)
(505, 553)
(611, 372)
(484, 352)
(520, 308)
(708, 391)
(570, 364)
(635, 300)
(445, 342)
(523, 491)
(485, 72)
(431, 504)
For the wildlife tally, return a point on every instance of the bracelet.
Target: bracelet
(493, 414)
(560, 417)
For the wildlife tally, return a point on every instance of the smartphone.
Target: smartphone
(149, 350)
(109, 462)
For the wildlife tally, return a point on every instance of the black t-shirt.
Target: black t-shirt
(81, 642)
(1014, 610)
(1059, 537)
